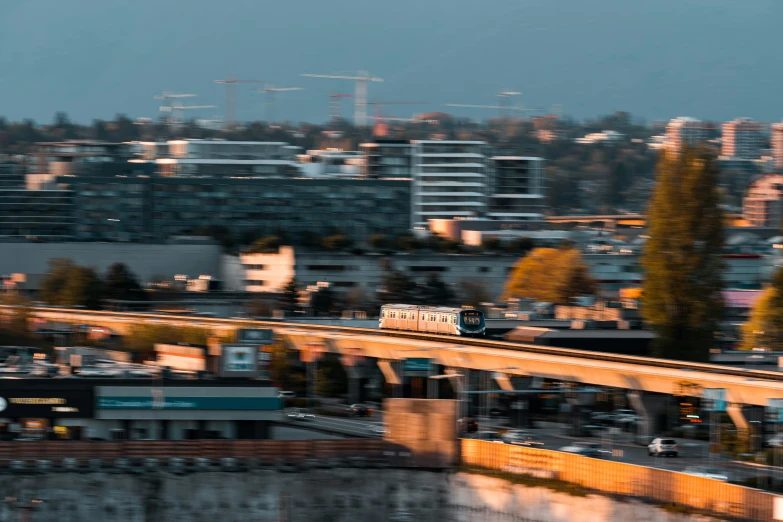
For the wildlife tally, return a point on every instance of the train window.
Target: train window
(454, 319)
(403, 315)
(383, 313)
(413, 315)
(433, 317)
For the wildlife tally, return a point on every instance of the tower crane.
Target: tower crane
(334, 105)
(270, 91)
(380, 128)
(172, 108)
(231, 97)
(360, 97)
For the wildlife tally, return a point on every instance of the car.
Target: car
(776, 441)
(377, 429)
(489, 436)
(663, 447)
(300, 414)
(586, 449)
(512, 436)
(468, 425)
(282, 394)
(523, 439)
(359, 410)
(710, 473)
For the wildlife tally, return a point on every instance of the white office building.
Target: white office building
(450, 180)
(516, 188)
(777, 145)
(741, 139)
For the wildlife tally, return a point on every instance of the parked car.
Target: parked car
(663, 447)
(586, 449)
(710, 473)
(468, 425)
(489, 436)
(513, 436)
(282, 394)
(300, 414)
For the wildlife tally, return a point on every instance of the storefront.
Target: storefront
(186, 412)
(44, 412)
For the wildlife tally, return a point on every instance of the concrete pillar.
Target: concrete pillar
(734, 409)
(649, 407)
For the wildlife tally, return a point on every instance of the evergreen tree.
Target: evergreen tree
(289, 297)
(682, 291)
(397, 288)
(121, 283)
(435, 292)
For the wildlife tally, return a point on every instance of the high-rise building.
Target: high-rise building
(386, 159)
(684, 131)
(777, 145)
(764, 202)
(517, 188)
(741, 139)
(40, 214)
(450, 180)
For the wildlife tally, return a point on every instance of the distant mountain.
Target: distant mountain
(712, 59)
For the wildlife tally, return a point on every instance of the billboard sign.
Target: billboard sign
(417, 365)
(239, 361)
(47, 404)
(714, 399)
(255, 336)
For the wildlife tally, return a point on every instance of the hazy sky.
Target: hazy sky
(712, 59)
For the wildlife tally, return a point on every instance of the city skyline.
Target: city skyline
(621, 57)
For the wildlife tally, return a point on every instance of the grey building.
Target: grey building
(516, 188)
(386, 159)
(134, 209)
(38, 214)
(11, 175)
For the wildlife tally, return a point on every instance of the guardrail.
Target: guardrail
(666, 487)
(267, 450)
(67, 314)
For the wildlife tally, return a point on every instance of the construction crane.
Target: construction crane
(503, 101)
(334, 105)
(173, 108)
(506, 108)
(231, 97)
(360, 96)
(270, 91)
(380, 128)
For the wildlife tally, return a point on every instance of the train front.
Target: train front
(471, 323)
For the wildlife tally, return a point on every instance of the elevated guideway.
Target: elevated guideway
(636, 374)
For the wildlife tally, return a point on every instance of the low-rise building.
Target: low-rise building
(386, 158)
(270, 272)
(38, 214)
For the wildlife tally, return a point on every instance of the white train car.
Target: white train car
(466, 322)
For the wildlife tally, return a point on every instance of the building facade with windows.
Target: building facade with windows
(741, 139)
(37, 214)
(762, 206)
(386, 159)
(517, 188)
(777, 145)
(685, 131)
(450, 179)
(346, 272)
(154, 209)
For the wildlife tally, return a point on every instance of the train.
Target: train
(465, 322)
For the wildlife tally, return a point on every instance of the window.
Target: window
(454, 319)
(256, 282)
(383, 313)
(413, 315)
(404, 315)
(483, 269)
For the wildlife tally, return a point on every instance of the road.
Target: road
(349, 426)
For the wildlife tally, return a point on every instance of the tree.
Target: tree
(121, 283)
(264, 245)
(519, 245)
(473, 293)
(337, 242)
(765, 327)
(67, 284)
(682, 298)
(322, 301)
(550, 275)
(491, 243)
(397, 288)
(435, 292)
(379, 242)
(289, 297)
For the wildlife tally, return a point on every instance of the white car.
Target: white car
(286, 395)
(300, 414)
(663, 447)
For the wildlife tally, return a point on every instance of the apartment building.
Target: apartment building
(386, 159)
(224, 159)
(741, 139)
(450, 179)
(684, 131)
(777, 145)
(516, 188)
(762, 206)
